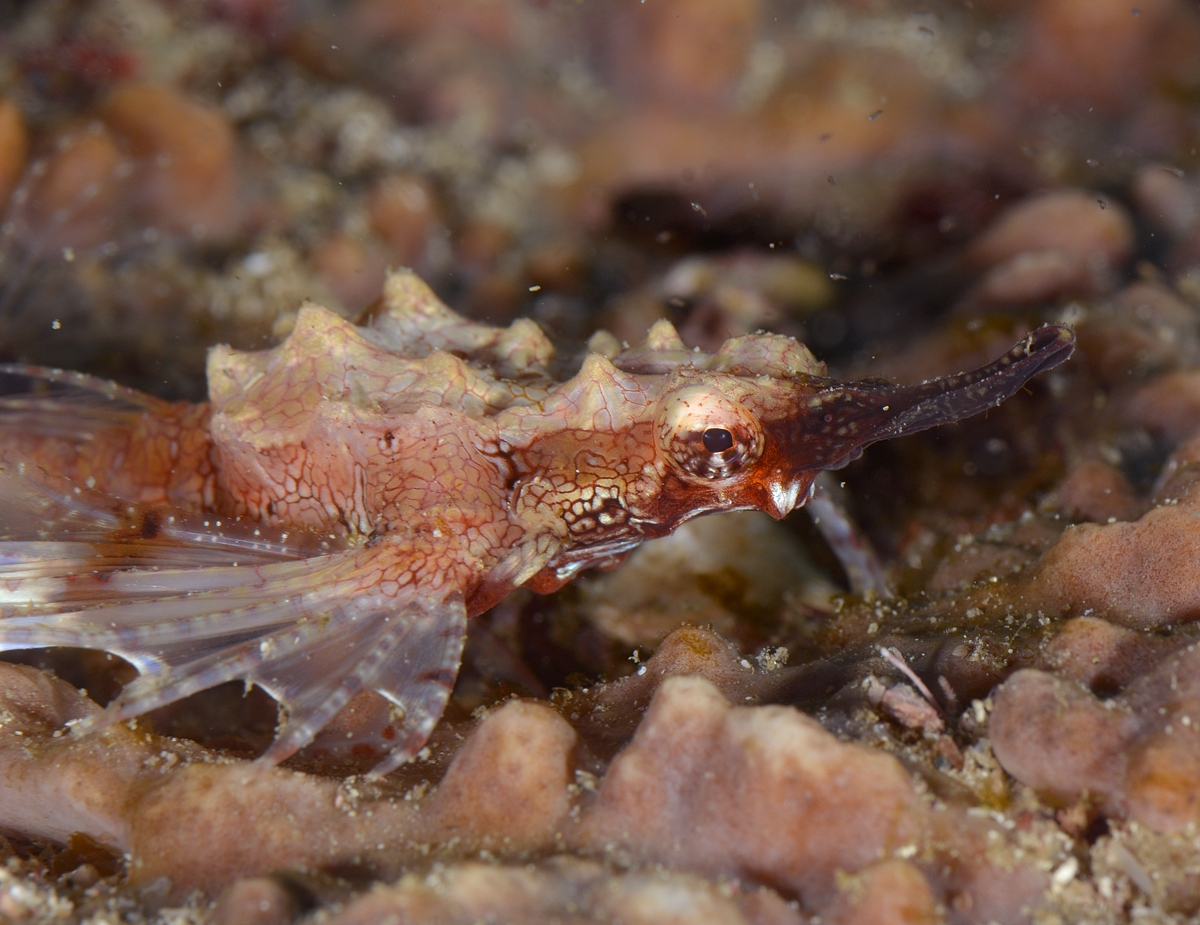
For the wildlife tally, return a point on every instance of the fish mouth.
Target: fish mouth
(785, 495)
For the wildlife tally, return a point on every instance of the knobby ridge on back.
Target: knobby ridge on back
(328, 521)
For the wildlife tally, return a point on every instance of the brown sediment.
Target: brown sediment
(905, 191)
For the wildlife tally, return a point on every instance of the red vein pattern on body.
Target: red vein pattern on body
(328, 521)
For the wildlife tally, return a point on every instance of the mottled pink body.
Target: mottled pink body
(328, 521)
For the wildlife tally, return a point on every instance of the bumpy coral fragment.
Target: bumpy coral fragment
(508, 785)
(1102, 655)
(1055, 736)
(72, 204)
(563, 890)
(1096, 491)
(666, 796)
(760, 796)
(14, 146)
(1070, 222)
(1137, 754)
(1168, 406)
(188, 153)
(887, 893)
(254, 901)
(1140, 574)
(156, 799)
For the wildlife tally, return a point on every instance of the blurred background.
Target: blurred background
(908, 186)
(184, 172)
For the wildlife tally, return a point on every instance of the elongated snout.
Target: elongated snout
(835, 421)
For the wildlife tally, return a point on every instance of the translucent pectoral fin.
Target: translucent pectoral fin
(418, 673)
(407, 648)
(312, 633)
(409, 654)
(35, 399)
(51, 527)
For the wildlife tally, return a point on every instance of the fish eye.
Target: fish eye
(707, 434)
(718, 440)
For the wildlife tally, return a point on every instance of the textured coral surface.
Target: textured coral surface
(718, 730)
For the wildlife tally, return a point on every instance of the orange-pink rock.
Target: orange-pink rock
(1137, 755)
(686, 51)
(353, 269)
(403, 211)
(1168, 406)
(77, 201)
(799, 785)
(1075, 223)
(887, 893)
(187, 159)
(14, 147)
(1102, 655)
(1091, 53)
(1056, 737)
(1096, 491)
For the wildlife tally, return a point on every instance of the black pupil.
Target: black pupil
(718, 440)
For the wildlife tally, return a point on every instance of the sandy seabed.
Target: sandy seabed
(711, 732)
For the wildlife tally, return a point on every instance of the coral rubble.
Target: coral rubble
(716, 731)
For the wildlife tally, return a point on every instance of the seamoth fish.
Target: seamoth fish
(326, 523)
